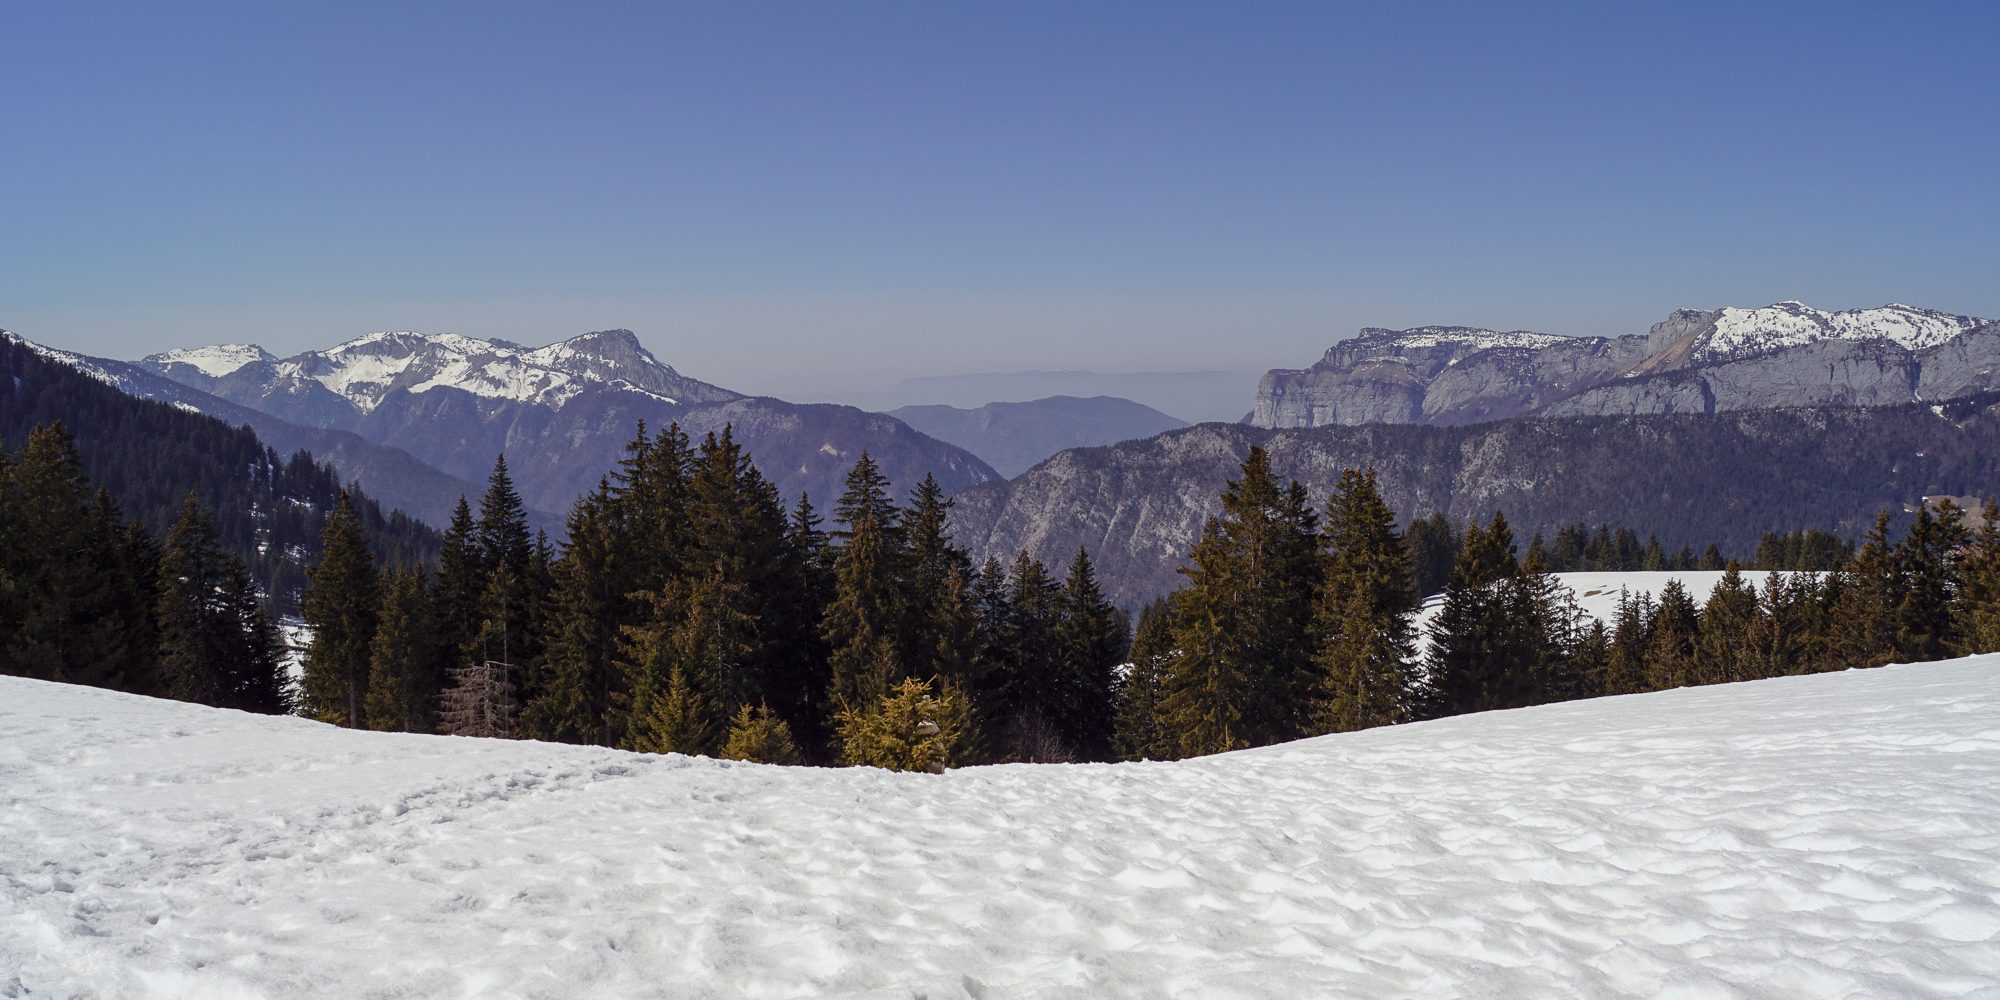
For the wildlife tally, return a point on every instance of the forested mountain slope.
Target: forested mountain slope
(1692, 479)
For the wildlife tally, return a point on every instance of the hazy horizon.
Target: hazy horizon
(807, 200)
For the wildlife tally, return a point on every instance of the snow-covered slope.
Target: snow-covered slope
(366, 369)
(1823, 836)
(1597, 593)
(1741, 332)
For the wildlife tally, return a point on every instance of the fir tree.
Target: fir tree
(1872, 593)
(1245, 676)
(1625, 666)
(402, 690)
(1723, 652)
(1364, 611)
(1141, 730)
(868, 601)
(758, 736)
(1978, 605)
(479, 701)
(216, 646)
(1671, 640)
(1471, 665)
(340, 604)
(1094, 640)
(1927, 561)
(579, 702)
(914, 727)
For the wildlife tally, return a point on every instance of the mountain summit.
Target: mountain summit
(334, 386)
(1696, 360)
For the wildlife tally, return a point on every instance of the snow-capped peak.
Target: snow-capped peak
(215, 361)
(366, 369)
(1794, 324)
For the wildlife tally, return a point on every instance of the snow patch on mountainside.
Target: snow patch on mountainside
(1819, 836)
(366, 370)
(1465, 336)
(218, 360)
(1795, 324)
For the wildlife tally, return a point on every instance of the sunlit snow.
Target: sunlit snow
(1820, 836)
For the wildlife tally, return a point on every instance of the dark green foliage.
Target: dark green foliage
(1243, 626)
(340, 606)
(1979, 594)
(1093, 638)
(216, 645)
(1721, 654)
(267, 509)
(1363, 614)
(1142, 732)
(1433, 548)
(403, 685)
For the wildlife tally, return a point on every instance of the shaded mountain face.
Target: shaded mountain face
(1696, 361)
(562, 413)
(1012, 437)
(394, 477)
(1691, 479)
(268, 501)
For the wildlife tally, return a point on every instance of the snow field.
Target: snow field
(1821, 836)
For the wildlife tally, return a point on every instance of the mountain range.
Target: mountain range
(562, 413)
(1695, 361)
(1690, 479)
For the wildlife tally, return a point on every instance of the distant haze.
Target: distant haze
(813, 199)
(1196, 397)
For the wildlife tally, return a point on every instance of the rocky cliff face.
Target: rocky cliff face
(1691, 479)
(1695, 361)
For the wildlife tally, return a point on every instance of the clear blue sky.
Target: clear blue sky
(784, 197)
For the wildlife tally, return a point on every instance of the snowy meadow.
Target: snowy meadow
(1821, 836)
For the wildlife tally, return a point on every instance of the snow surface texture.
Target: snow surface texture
(1823, 836)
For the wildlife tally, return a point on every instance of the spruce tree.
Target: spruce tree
(1247, 616)
(758, 736)
(1093, 639)
(216, 647)
(1141, 731)
(1029, 705)
(1625, 665)
(340, 605)
(1724, 651)
(1978, 605)
(1364, 612)
(402, 689)
(863, 623)
(455, 595)
(579, 703)
(1928, 561)
(1671, 639)
(1872, 593)
(916, 726)
(1470, 663)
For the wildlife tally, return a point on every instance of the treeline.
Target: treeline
(690, 611)
(267, 509)
(1294, 623)
(1578, 548)
(87, 597)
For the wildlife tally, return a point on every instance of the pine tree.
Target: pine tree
(1928, 563)
(1872, 592)
(503, 522)
(1625, 665)
(1433, 549)
(1471, 665)
(1141, 734)
(1364, 612)
(760, 737)
(1246, 674)
(914, 727)
(215, 645)
(1724, 650)
(1094, 640)
(1978, 606)
(402, 691)
(580, 700)
(455, 595)
(1671, 639)
(868, 600)
(340, 604)
(1028, 706)
(933, 561)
